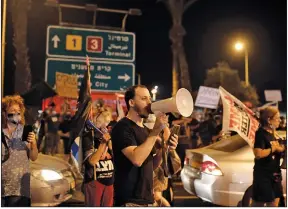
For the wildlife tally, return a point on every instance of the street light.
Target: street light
(239, 47)
(154, 92)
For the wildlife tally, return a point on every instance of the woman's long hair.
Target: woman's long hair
(102, 117)
(7, 102)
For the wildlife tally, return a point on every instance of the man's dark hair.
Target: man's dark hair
(130, 93)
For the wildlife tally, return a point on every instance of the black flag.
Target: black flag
(84, 105)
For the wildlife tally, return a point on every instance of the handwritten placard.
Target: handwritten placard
(67, 85)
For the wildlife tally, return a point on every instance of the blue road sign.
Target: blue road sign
(70, 42)
(105, 76)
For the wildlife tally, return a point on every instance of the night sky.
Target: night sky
(212, 27)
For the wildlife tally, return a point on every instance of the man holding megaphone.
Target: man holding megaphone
(133, 148)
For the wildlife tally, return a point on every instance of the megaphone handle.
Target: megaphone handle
(156, 113)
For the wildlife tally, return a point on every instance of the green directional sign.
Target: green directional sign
(105, 76)
(70, 42)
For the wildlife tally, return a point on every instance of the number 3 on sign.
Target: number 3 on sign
(94, 44)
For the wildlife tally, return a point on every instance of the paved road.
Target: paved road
(182, 199)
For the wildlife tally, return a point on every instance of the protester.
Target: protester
(41, 131)
(15, 180)
(51, 130)
(267, 187)
(98, 162)
(207, 129)
(184, 137)
(132, 147)
(282, 126)
(161, 171)
(194, 127)
(216, 135)
(64, 130)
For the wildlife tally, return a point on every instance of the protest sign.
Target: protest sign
(237, 117)
(207, 97)
(67, 85)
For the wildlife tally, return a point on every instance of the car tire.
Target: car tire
(247, 198)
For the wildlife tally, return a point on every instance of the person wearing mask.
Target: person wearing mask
(51, 130)
(15, 178)
(132, 148)
(98, 163)
(267, 187)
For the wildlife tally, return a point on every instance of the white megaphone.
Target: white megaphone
(181, 103)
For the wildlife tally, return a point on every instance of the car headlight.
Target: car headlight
(47, 175)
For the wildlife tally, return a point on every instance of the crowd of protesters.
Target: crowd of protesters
(125, 159)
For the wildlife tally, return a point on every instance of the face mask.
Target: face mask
(13, 118)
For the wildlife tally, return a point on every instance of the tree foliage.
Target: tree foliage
(223, 75)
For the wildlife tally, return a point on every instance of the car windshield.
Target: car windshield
(231, 144)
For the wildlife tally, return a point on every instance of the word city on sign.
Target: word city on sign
(105, 76)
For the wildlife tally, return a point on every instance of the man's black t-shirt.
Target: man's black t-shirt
(269, 164)
(53, 123)
(64, 126)
(132, 184)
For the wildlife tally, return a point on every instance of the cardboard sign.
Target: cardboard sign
(207, 97)
(67, 85)
(273, 95)
(237, 117)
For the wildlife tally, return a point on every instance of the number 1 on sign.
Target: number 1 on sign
(74, 42)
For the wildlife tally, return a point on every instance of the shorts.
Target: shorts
(265, 189)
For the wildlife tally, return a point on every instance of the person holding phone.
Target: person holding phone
(98, 162)
(161, 172)
(133, 149)
(15, 180)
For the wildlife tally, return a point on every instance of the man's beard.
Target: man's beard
(143, 113)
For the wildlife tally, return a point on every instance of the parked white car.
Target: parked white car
(52, 181)
(221, 173)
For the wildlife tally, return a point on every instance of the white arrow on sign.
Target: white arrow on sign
(124, 77)
(55, 39)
